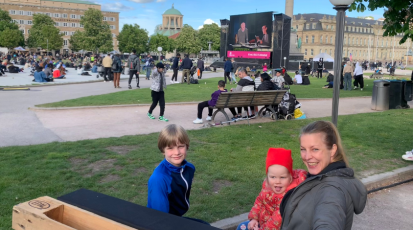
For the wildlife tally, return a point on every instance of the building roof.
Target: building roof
(175, 36)
(349, 20)
(172, 11)
(73, 1)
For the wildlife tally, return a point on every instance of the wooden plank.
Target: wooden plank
(46, 213)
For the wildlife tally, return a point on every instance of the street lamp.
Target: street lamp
(160, 50)
(285, 59)
(341, 6)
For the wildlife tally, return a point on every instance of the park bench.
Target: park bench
(268, 99)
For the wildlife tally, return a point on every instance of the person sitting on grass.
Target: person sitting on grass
(57, 74)
(330, 80)
(170, 184)
(40, 76)
(211, 103)
(280, 178)
(48, 71)
(298, 79)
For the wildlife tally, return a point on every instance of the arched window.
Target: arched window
(312, 52)
(321, 39)
(345, 40)
(357, 41)
(312, 39)
(331, 39)
(305, 52)
(306, 39)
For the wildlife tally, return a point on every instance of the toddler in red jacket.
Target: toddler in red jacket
(265, 214)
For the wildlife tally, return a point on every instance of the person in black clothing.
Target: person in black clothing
(200, 65)
(266, 83)
(175, 68)
(320, 68)
(186, 65)
(134, 65)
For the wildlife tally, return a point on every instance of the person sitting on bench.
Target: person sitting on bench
(211, 103)
(245, 84)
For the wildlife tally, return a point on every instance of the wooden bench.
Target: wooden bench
(268, 99)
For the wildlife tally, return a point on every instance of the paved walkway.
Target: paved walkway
(387, 209)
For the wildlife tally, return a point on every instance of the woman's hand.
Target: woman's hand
(253, 225)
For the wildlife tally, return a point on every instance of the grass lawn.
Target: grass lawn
(230, 162)
(200, 92)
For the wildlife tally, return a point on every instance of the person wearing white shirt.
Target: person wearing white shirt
(358, 77)
(298, 79)
(279, 80)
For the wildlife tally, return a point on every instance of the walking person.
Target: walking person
(157, 93)
(116, 69)
(148, 65)
(358, 77)
(186, 65)
(347, 71)
(107, 64)
(175, 68)
(227, 69)
(134, 65)
(200, 65)
(234, 71)
(320, 69)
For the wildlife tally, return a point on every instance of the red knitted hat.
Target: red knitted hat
(279, 156)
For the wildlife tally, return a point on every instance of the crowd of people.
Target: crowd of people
(326, 191)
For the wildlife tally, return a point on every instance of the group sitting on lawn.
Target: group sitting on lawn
(327, 193)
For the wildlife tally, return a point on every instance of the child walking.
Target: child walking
(170, 184)
(210, 103)
(265, 214)
(157, 93)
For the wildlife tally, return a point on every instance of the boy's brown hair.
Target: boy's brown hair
(171, 135)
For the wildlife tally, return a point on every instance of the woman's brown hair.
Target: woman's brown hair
(331, 137)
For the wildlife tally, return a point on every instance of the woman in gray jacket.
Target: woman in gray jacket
(331, 194)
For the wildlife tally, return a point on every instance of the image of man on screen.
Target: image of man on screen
(265, 39)
(242, 34)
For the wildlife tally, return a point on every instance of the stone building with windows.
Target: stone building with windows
(172, 23)
(65, 13)
(362, 38)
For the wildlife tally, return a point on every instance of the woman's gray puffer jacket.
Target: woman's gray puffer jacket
(326, 201)
(156, 80)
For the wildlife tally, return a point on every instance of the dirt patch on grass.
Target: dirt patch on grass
(76, 162)
(109, 178)
(219, 184)
(140, 170)
(123, 149)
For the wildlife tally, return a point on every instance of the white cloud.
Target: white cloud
(117, 6)
(207, 22)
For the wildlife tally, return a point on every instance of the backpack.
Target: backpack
(194, 81)
(288, 79)
(134, 63)
(115, 65)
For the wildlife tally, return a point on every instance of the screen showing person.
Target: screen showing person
(265, 39)
(242, 34)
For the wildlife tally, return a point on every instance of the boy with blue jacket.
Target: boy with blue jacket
(170, 184)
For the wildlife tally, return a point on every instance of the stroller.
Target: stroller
(287, 106)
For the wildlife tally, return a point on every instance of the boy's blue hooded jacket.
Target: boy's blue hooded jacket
(169, 187)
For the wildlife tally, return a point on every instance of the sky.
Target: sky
(148, 13)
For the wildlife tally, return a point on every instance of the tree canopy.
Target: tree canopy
(211, 33)
(188, 41)
(159, 40)
(398, 15)
(10, 35)
(133, 37)
(97, 35)
(44, 34)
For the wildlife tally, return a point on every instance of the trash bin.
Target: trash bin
(408, 90)
(396, 95)
(380, 98)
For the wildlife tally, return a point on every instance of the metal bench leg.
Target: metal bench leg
(217, 111)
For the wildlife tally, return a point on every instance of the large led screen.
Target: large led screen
(250, 31)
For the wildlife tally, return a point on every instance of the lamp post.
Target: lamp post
(341, 6)
(285, 59)
(160, 52)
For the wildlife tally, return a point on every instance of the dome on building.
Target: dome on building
(172, 11)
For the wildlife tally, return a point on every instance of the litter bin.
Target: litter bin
(396, 95)
(408, 91)
(380, 98)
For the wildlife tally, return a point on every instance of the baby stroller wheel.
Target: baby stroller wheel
(273, 116)
(289, 117)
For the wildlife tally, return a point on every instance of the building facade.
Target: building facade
(65, 13)
(172, 23)
(363, 38)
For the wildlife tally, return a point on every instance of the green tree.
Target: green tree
(133, 37)
(97, 35)
(44, 34)
(77, 41)
(11, 38)
(163, 41)
(211, 33)
(10, 35)
(398, 15)
(187, 40)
